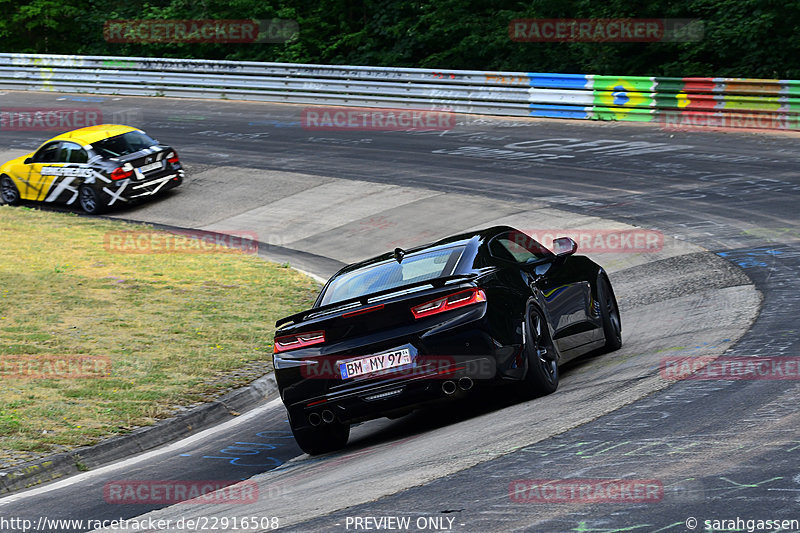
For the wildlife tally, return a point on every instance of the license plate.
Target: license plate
(151, 166)
(374, 363)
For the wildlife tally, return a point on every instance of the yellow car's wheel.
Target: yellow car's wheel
(90, 200)
(8, 191)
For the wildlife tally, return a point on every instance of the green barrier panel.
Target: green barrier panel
(792, 88)
(634, 83)
(686, 85)
(684, 101)
(751, 103)
(622, 99)
(670, 93)
(670, 85)
(626, 114)
(617, 96)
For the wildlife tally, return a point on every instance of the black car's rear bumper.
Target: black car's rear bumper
(374, 398)
(312, 385)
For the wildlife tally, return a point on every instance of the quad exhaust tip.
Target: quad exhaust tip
(449, 387)
(465, 384)
(326, 416)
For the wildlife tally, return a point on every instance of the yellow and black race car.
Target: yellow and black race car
(99, 167)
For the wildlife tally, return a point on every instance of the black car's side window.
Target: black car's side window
(518, 247)
(72, 153)
(47, 154)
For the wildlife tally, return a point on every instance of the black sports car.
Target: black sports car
(411, 327)
(98, 167)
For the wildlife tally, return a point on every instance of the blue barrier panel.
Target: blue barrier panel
(558, 81)
(558, 111)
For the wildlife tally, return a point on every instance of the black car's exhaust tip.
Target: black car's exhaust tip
(314, 419)
(449, 387)
(327, 416)
(465, 384)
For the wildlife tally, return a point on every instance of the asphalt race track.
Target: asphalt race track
(724, 281)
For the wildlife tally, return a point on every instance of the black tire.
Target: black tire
(89, 200)
(323, 438)
(541, 355)
(9, 191)
(609, 312)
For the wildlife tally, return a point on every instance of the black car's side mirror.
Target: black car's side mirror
(564, 246)
(28, 160)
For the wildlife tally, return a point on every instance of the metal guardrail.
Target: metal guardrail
(728, 102)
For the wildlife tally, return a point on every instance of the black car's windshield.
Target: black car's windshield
(124, 144)
(390, 274)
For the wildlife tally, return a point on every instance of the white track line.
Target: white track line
(169, 448)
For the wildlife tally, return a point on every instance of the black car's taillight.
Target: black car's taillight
(451, 301)
(299, 340)
(172, 157)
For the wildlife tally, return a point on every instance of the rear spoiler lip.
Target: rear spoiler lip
(364, 299)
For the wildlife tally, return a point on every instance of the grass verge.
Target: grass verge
(176, 329)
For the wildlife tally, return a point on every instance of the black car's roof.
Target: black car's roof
(471, 241)
(463, 239)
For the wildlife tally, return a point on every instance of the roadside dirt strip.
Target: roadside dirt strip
(676, 300)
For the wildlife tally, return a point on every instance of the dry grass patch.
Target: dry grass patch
(177, 328)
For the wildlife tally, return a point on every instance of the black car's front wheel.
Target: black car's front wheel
(8, 191)
(89, 200)
(322, 438)
(541, 356)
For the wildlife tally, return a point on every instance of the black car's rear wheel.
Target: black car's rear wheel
(8, 191)
(323, 438)
(609, 312)
(540, 353)
(89, 200)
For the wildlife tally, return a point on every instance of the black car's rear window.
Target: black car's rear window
(124, 144)
(421, 266)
